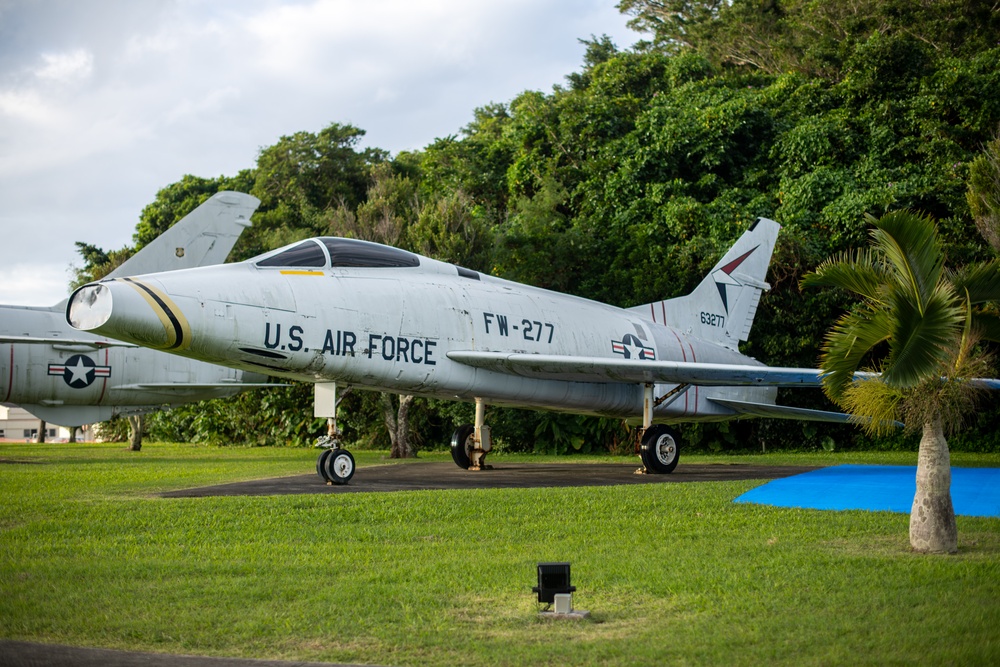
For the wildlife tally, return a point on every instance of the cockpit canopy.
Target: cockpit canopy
(333, 252)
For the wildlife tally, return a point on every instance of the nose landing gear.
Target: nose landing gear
(336, 466)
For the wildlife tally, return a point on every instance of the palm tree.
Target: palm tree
(916, 326)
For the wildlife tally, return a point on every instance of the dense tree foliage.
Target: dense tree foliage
(626, 183)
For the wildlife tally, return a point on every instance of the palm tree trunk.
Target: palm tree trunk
(932, 519)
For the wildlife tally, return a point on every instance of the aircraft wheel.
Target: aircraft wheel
(338, 466)
(660, 449)
(461, 445)
(321, 461)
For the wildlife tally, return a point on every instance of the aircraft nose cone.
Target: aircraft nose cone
(130, 309)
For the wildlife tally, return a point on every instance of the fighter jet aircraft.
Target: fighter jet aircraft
(335, 310)
(70, 378)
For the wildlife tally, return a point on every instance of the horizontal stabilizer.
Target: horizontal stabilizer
(772, 411)
(784, 412)
(599, 369)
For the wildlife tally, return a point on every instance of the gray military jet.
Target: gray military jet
(70, 378)
(375, 317)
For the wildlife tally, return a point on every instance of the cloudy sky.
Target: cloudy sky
(104, 102)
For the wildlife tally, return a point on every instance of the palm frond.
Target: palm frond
(848, 343)
(922, 342)
(981, 281)
(857, 271)
(911, 247)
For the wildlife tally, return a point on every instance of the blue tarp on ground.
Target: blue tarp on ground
(974, 491)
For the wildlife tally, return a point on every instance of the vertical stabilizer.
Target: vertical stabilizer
(721, 309)
(201, 238)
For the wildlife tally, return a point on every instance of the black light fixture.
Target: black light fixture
(553, 579)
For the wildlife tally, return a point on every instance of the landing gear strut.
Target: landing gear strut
(471, 443)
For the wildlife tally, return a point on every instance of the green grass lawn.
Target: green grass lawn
(672, 573)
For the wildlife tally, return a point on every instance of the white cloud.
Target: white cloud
(28, 106)
(27, 284)
(66, 67)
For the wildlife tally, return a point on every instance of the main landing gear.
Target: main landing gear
(472, 442)
(659, 448)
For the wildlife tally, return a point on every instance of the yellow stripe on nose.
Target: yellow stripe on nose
(175, 325)
(289, 272)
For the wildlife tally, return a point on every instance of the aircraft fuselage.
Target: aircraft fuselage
(391, 329)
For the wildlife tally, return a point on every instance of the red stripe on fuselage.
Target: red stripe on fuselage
(104, 387)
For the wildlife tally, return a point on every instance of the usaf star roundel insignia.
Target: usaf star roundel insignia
(631, 347)
(79, 371)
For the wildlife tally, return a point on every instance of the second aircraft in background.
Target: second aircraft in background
(70, 378)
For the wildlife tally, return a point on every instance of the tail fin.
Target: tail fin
(201, 238)
(721, 309)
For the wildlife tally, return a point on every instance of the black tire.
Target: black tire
(660, 449)
(339, 466)
(461, 445)
(320, 462)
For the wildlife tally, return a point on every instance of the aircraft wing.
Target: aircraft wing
(56, 340)
(598, 369)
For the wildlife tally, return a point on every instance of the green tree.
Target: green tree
(984, 193)
(917, 326)
(806, 36)
(302, 177)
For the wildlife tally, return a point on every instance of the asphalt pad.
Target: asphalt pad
(425, 476)
(974, 491)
